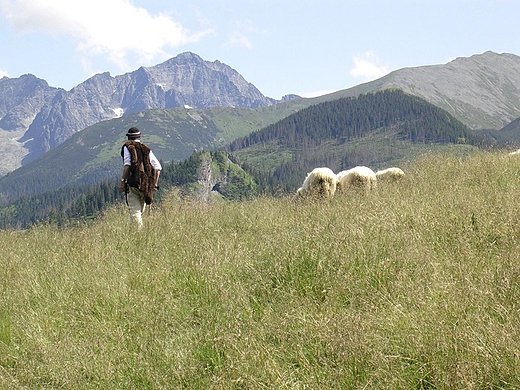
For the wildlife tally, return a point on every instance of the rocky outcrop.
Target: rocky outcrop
(21, 100)
(207, 180)
(219, 177)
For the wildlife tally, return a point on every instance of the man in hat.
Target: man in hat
(138, 189)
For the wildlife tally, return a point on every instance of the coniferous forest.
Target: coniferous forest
(348, 118)
(372, 129)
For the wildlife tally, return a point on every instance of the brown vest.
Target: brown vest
(142, 173)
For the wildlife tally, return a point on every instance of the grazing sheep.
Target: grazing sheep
(359, 177)
(320, 183)
(514, 152)
(390, 174)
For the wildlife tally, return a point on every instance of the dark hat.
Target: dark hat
(133, 132)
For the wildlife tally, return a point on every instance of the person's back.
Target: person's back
(141, 170)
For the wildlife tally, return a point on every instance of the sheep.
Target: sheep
(319, 183)
(359, 177)
(390, 174)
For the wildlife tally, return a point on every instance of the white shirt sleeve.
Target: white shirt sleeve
(155, 162)
(127, 159)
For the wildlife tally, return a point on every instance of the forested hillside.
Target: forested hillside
(209, 175)
(63, 206)
(204, 175)
(374, 129)
(348, 118)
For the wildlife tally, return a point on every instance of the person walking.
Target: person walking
(141, 171)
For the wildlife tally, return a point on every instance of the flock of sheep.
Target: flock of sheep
(323, 182)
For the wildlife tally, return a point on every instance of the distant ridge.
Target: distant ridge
(482, 91)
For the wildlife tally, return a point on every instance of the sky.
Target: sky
(305, 47)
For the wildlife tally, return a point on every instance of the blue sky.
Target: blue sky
(303, 47)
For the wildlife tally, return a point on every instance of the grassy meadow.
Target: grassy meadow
(415, 286)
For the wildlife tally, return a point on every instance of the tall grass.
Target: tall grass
(415, 286)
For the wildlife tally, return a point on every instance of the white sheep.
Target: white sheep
(359, 177)
(319, 183)
(390, 174)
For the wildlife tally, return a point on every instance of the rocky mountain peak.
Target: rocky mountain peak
(182, 58)
(185, 80)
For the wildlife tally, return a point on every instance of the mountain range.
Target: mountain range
(35, 117)
(44, 127)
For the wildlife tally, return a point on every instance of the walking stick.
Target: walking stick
(127, 189)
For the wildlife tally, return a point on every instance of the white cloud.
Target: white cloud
(368, 66)
(115, 29)
(3, 73)
(238, 39)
